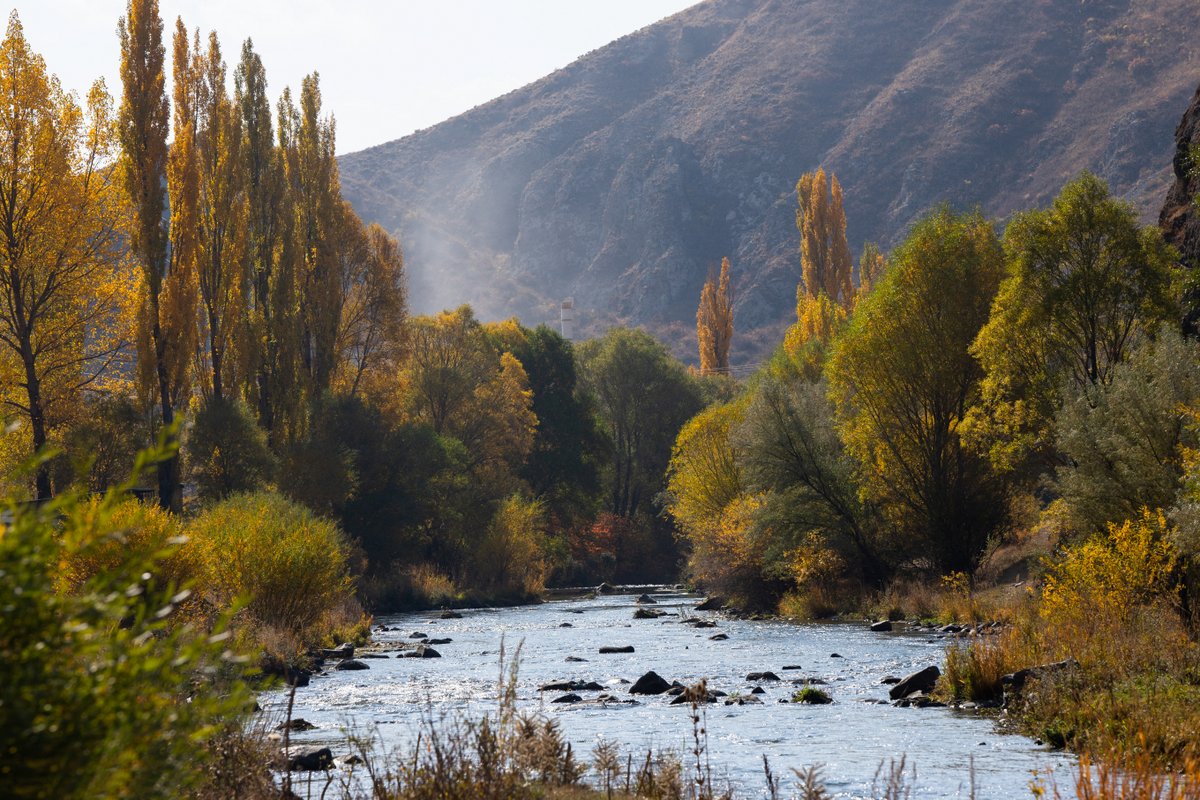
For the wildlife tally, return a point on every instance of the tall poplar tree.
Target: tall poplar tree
(269, 299)
(824, 253)
(222, 214)
(714, 322)
(143, 125)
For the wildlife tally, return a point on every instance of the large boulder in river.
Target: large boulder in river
(650, 683)
(307, 758)
(647, 599)
(711, 604)
(609, 649)
(922, 681)
(351, 664)
(648, 613)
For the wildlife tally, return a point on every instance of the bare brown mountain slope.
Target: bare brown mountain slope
(621, 179)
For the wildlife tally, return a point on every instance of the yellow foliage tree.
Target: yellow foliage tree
(714, 322)
(167, 317)
(818, 321)
(703, 476)
(825, 259)
(62, 284)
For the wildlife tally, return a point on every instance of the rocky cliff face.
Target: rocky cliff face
(621, 179)
(1180, 217)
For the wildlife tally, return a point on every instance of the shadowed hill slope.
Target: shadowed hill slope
(621, 179)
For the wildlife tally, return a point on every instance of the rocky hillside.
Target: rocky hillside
(1180, 217)
(621, 179)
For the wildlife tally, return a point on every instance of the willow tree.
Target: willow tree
(1084, 282)
(60, 286)
(166, 316)
(903, 380)
(714, 322)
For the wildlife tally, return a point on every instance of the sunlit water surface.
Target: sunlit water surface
(850, 739)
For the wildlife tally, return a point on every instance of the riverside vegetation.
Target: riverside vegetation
(210, 312)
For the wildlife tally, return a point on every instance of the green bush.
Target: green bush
(94, 679)
(288, 565)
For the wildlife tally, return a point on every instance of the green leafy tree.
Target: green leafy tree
(903, 379)
(644, 396)
(227, 451)
(1083, 281)
(1125, 440)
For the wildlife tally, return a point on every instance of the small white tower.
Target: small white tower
(566, 318)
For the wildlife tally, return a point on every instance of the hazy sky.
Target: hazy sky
(388, 67)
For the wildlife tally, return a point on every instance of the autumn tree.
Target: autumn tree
(714, 322)
(903, 380)
(61, 286)
(870, 268)
(221, 211)
(1084, 280)
(318, 216)
(371, 324)
(825, 260)
(167, 314)
(270, 307)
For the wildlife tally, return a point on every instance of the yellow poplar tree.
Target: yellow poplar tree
(61, 285)
(825, 260)
(222, 216)
(166, 316)
(714, 322)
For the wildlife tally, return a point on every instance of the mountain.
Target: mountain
(623, 178)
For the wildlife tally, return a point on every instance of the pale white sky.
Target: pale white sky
(387, 68)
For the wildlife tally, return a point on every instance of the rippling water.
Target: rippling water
(849, 738)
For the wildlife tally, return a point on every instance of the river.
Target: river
(849, 738)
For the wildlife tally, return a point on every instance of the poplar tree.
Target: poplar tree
(143, 124)
(714, 322)
(826, 264)
(222, 214)
(269, 303)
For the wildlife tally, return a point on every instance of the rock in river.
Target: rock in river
(647, 599)
(351, 664)
(711, 604)
(650, 683)
(307, 758)
(626, 649)
(922, 681)
(882, 626)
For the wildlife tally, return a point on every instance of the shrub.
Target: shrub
(109, 530)
(1132, 564)
(286, 563)
(95, 679)
(227, 451)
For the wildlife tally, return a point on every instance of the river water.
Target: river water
(849, 738)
